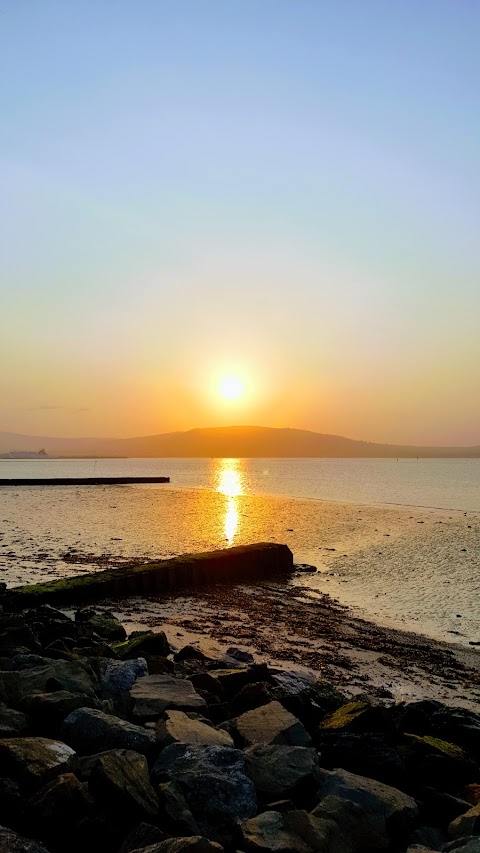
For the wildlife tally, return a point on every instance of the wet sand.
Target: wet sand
(288, 625)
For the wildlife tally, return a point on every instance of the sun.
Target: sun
(231, 388)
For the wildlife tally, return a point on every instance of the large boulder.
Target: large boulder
(365, 754)
(155, 694)
(177, 727)
(355, 717)
(73, 676)
(59, 806)
(120, 779)
(47, 711)
(466, 824)
(280, 772)
(438, 763)
(141, 645)
(142, 835)
(370, 813)
(270, 724)
(213, 784)
(292, 832)
(33, 761)
(91, 731)
(191, 844)
(117, 679)
(12, 723)
(11, 842)
(102, 622)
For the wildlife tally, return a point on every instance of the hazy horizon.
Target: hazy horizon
(244, 212)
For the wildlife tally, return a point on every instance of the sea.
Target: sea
(397, 541)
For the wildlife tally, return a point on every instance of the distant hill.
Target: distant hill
(235, 441)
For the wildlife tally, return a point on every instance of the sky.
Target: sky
(283, 192)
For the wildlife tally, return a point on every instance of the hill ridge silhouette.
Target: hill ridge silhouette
(231, 441)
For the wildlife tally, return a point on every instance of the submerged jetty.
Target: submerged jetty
(81, 481)
(240, 563)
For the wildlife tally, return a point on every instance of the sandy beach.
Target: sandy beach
(289, 626)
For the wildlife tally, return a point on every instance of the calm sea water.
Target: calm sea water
(400, 541)
(436, 483)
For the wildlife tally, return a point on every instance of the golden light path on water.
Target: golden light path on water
(231, 483)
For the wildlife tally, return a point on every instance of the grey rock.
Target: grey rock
(469, 844)
(177, 727)
(192, 844)
(466, 824)
(90, 731)
(142, 835)
(12, 723)
(270, 724)
(117, 679)
(292, 832)
(279, 772)
(32, 761)
(214, 785)
(11, 842)
(120, 779)
(370, 812)
(155, 694)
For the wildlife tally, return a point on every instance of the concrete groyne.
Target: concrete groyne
(81, 481)
(240, 563)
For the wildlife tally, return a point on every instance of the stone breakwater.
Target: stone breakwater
(119, 744)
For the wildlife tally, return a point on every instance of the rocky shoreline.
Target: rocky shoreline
(120, 744)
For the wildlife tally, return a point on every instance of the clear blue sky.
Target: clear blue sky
(284, 190)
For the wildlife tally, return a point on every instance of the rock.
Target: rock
(12, 723)
(48, 710)
(304, 567)
(292, 832)
(355, 717)
(190, 653)
(103, 623)
(90, 731)
(437, 763)
(370, 813)
(120, 780)
(117, 679)
(305, 696)
(280, 772)
(174, 812)
(10, 842)
(59, 805)
(240, 655)
(33, 761)
(466, 824)
(177, 727)
(252, 696)
(192, 844)
(365, 754)
(155, 694)
(214, 785)
(139, 646)
(270, 724)
(74, 676)
(18, 640)
(142, 835)
(469, 844)
(438, 807)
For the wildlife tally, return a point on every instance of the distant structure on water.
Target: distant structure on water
(25, 454)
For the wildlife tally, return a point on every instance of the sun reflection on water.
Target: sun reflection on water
(230, 482)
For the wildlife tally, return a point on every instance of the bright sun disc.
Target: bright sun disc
(231, 388)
